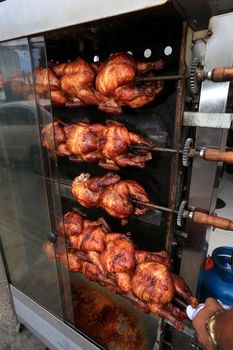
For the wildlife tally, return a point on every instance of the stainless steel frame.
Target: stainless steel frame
(208, 120)
(205, 175)
(28, 17)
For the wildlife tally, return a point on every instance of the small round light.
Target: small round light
(130, 52)
(96, 58)
(168, 50)
(147, 53)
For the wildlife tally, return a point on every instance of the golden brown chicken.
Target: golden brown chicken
(45, 78)
(77, 82)
(109, 85)
(115, 263)
(153, 283)
(116, 80)
(116, 199)
(110, 193)
(53, 137)
(115, 142)
(84, 142)
(58, 97)
(45, 81)
(71, 225)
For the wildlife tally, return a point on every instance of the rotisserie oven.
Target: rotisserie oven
(111, 202)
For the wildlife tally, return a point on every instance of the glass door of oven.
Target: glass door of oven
(29, 210)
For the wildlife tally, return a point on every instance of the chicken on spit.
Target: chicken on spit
(78, 81)
(45, 78)
(110, 193)
(116, 80)
(108, 85)
(112, 260)
(84, 142)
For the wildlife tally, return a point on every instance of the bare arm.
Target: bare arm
(223, 327)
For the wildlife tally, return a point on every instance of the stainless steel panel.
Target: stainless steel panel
(205, 175)
(50, 330)
(208, 120)
(26, 17)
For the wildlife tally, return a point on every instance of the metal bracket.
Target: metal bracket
(187, 330)
(208, 120)
(201, 35)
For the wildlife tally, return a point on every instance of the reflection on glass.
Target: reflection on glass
(24, 213)
(42, 80)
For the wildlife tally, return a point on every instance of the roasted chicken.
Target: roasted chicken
(45, 78)
(110, 193)
(109, 144)
(45, 81)
(116, 80)
(108, 85)
(113, 261)
(77, 81)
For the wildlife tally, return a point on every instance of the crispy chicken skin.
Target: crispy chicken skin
(153, 283)
(118, 256)
(116, 80)
(109, 144)
(112, 260)
(110, 193)
(109, 85)
(53, 136)
(77, 81)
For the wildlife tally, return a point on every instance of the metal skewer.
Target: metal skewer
(188, 152)
(195, 216)
(161, 77)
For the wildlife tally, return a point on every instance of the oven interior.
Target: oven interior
(155, 122)
(148, 35)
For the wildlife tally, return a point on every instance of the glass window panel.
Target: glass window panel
(39, 62)
(24, 212)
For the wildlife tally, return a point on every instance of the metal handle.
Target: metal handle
(221, 74)
(215, 221)
(218, 156)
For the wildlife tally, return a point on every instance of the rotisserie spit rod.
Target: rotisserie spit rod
(188, 152)
(195, 216)
(122, 198)
(217, 75)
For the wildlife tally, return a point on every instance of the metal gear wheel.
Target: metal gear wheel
(193, 84)
(185, 155)
(179, 219)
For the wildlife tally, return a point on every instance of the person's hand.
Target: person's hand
(211, 306)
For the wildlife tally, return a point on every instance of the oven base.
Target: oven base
(54, 333)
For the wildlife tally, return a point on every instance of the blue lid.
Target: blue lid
(222, 263)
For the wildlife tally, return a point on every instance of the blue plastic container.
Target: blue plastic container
(217, 282)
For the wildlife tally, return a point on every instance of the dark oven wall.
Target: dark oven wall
(155, 121)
